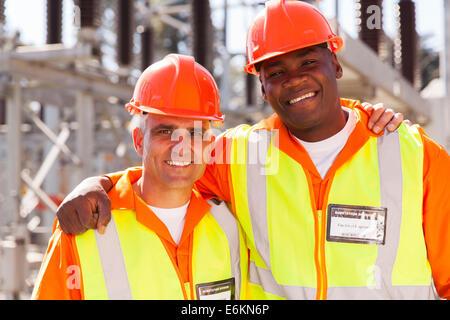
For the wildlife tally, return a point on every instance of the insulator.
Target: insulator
(202, 35)
(54, 21)
(89, 17)
(370, 22)
(125, 29)
(408, 38)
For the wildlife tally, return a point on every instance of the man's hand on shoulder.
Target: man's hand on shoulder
(86, 207)
(382, 117)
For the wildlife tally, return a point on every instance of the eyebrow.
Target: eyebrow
(172, 127)
(299, 55)
(163, 126)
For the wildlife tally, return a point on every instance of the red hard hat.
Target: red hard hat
(177, 86)
(286, 26)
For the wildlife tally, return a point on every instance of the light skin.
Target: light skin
(170, 166)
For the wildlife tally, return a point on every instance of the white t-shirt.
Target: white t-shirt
(323, 153)
(173, 218)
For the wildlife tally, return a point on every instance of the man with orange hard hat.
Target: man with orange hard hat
(330, 210)
(164, 241)
(373, 219)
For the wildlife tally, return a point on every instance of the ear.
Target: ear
(263, 91)
(337, 66)
(138, 140)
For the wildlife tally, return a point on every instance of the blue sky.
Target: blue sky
(31, 22)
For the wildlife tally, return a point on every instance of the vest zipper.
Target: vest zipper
(320, 272)
(319, 257)
(321, 220)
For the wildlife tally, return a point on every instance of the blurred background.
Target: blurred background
(67, 67)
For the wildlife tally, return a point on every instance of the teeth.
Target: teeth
(305, 96)
(178, 163)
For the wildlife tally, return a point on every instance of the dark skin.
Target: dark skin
(312, 71)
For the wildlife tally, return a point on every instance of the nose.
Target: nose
(181, 149)
(293, 79)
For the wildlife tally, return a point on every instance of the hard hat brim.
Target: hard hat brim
(336, 43)
(173, 112)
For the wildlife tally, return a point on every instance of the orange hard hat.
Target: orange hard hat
(177, 86)
(284, 26)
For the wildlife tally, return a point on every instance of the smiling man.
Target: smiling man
(348, 215)
(330, 210)
(165, 241)
(308, 102)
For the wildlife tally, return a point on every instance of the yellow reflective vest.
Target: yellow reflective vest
(129, 261)
(299, 252)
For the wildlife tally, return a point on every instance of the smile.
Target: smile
(303, 97)
(178, 163)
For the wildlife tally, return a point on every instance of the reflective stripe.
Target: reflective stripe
(258, 141)
(229, 226)
(264, 278)
(399, 293)
(391, 194)
(113, 263)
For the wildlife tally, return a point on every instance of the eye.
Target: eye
(308, 62)
(197, 133)
(165, 131)
(276, 73)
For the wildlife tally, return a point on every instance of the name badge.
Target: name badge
(356, 224)
(217, 290)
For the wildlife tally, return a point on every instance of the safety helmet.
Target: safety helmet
(177, 86)
(286, 26)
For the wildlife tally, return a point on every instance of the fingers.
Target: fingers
(408, 122)
(382, 117)
(368, 107)
(68, 219)
(79, 210)
(104, 214)
(383, 121)
(378, 112)
(395, 122)
(86, 210)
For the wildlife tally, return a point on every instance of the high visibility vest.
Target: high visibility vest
(129, 261)
(290, 257)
